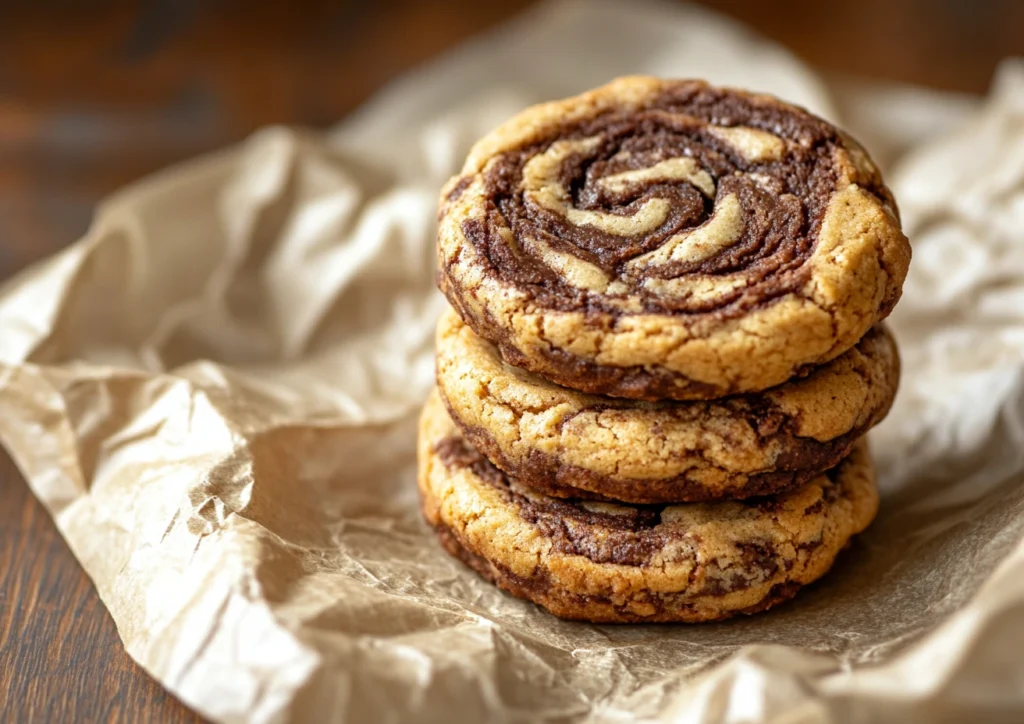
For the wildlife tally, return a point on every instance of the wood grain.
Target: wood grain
(60, 658)
(93, 95)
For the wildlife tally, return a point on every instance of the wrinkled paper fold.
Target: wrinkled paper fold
(214, 393)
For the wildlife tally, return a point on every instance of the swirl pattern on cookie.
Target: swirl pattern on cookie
(571, 444)
(605, 562)
(656, 239)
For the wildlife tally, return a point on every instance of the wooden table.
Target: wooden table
(90, 99)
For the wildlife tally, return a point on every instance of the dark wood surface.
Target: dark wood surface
(93, 95)
(62, 660)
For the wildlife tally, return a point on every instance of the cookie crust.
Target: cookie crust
(570, 444)
(668, 239)
(615, 563)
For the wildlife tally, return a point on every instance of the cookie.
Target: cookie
(570, 444)
(605, 562)
(668, 239)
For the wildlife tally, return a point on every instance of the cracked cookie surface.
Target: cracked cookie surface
(606, 562)
(668, 239)
(570, 444)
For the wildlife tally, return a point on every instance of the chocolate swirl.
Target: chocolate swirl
(604, 241)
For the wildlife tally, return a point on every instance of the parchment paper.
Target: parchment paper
(214, 393)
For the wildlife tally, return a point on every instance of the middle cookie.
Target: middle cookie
(570, 444)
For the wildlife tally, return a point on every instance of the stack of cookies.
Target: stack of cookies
(663, 352)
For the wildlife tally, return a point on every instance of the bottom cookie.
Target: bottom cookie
(617, 563)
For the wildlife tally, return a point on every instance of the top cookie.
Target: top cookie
(668, 239)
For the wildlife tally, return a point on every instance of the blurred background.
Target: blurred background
(94, 95)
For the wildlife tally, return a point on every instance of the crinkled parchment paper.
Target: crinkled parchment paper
(214, 393)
